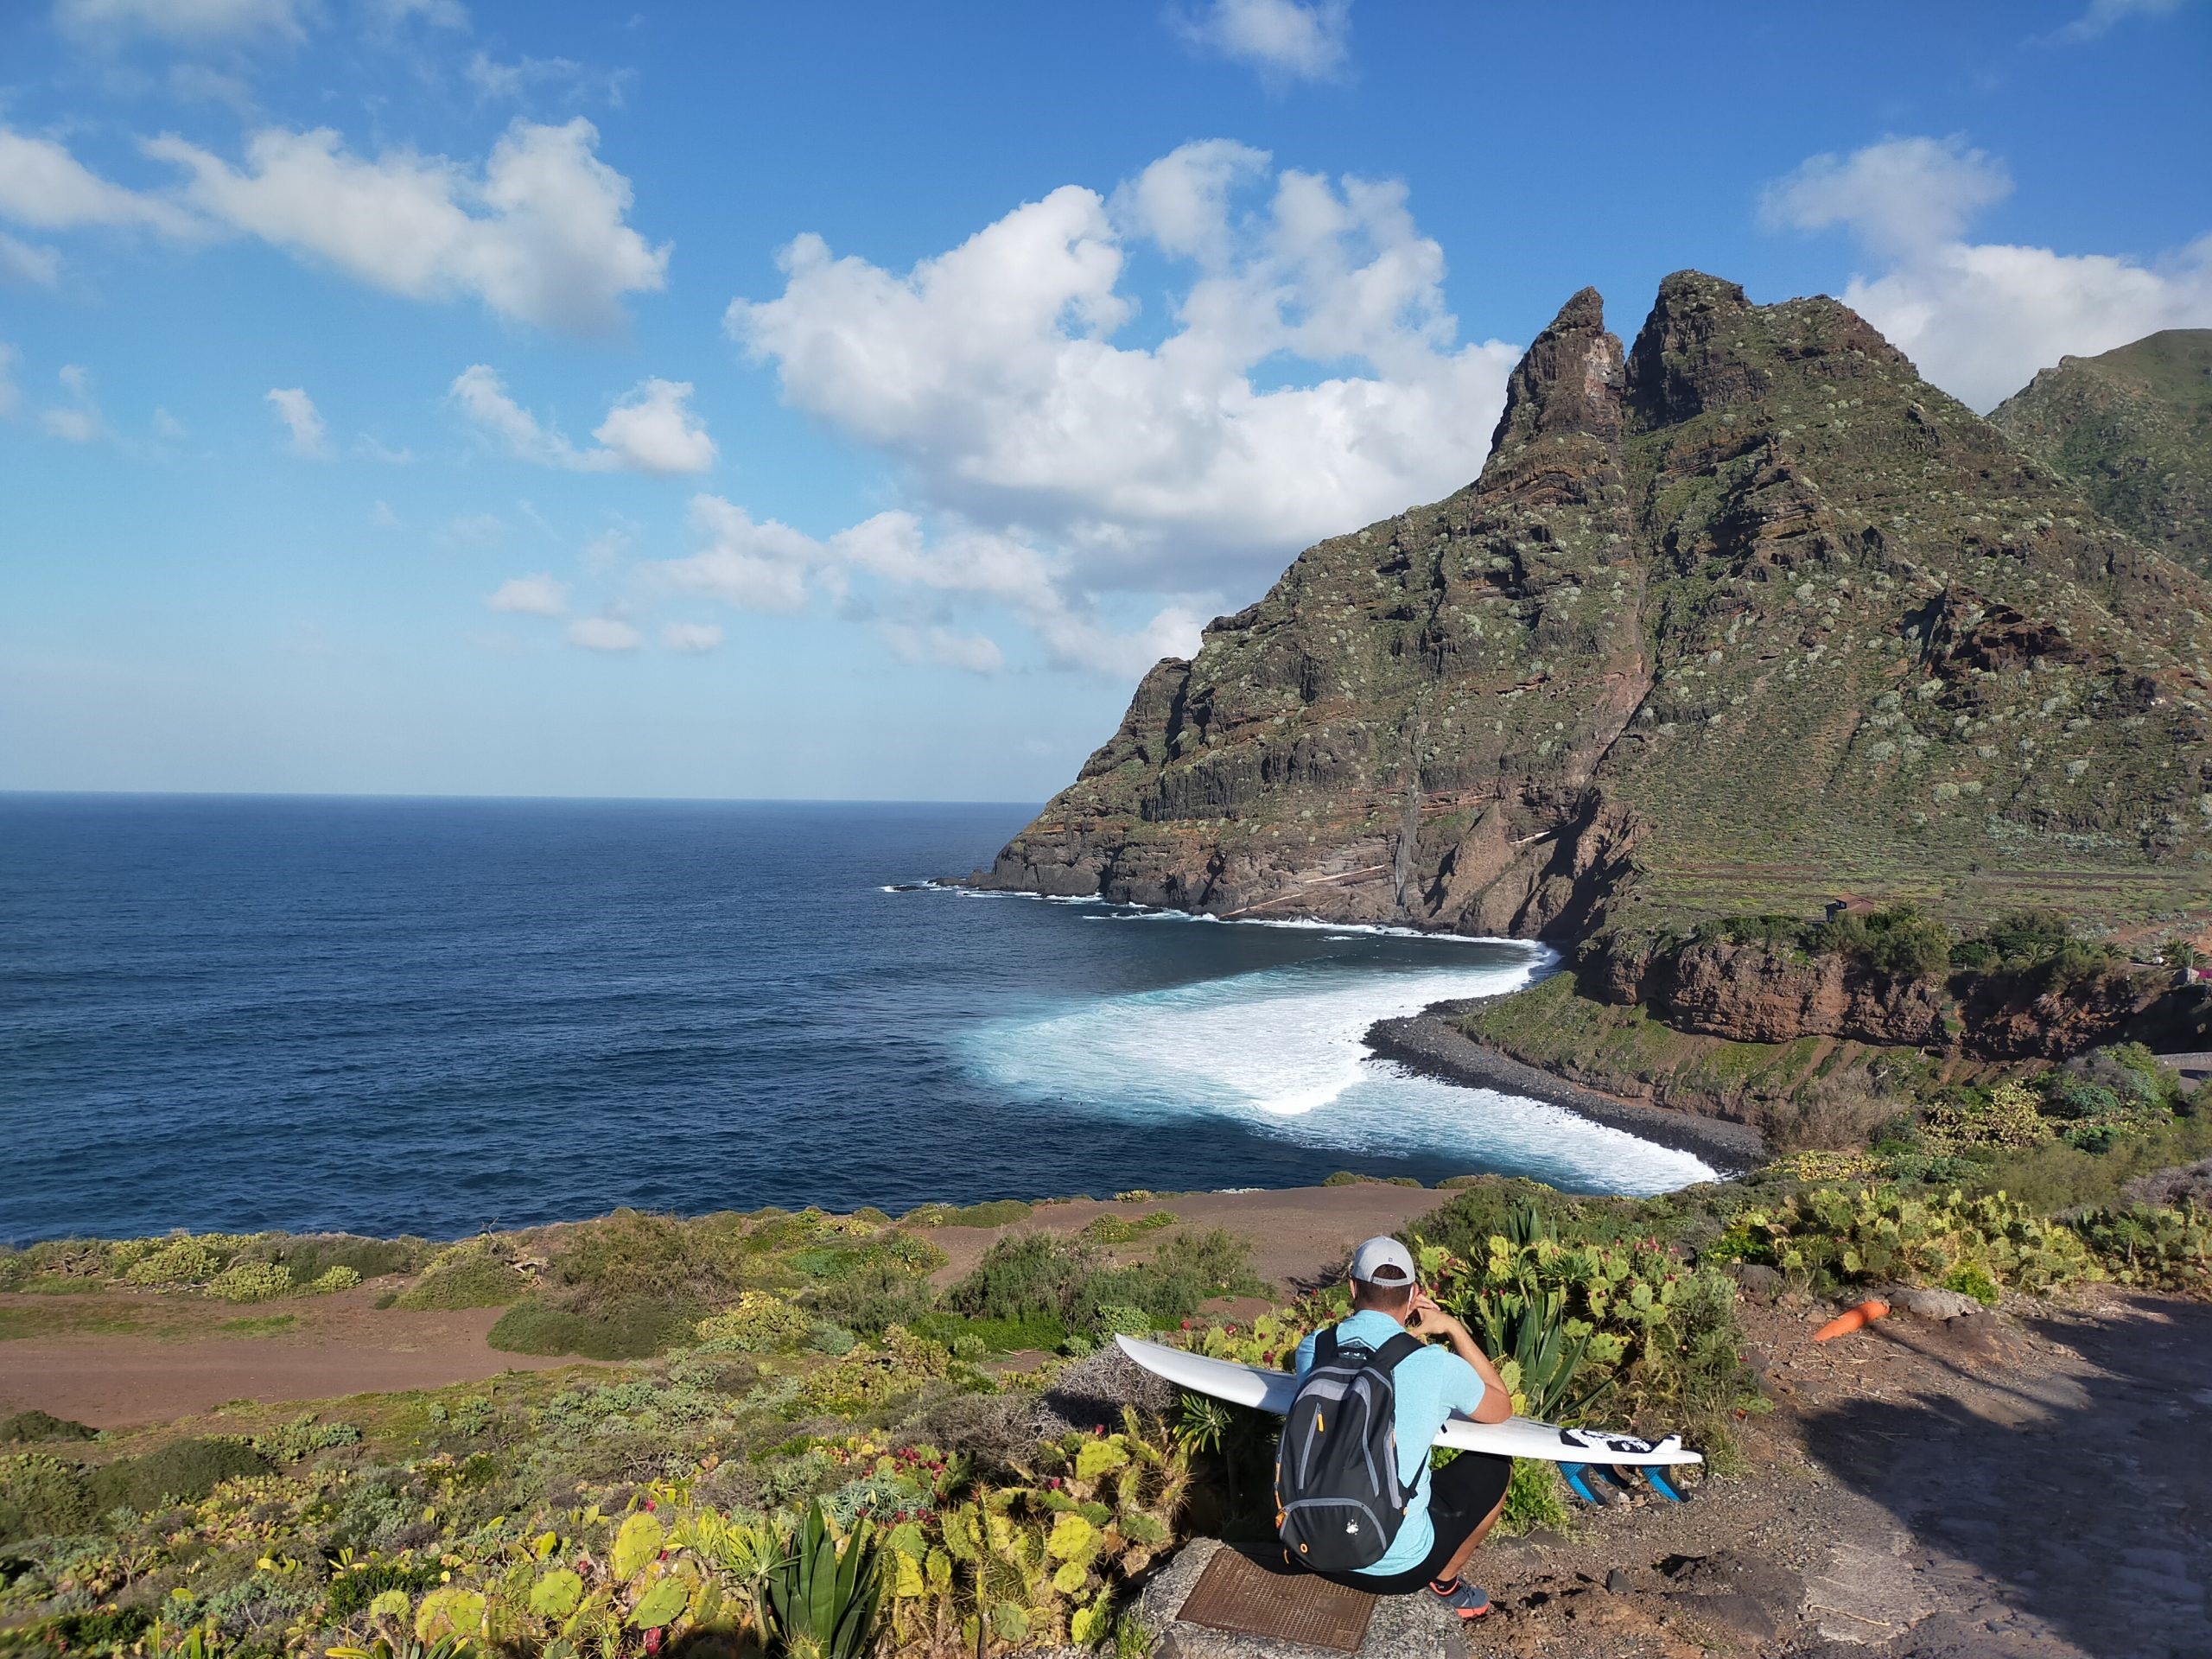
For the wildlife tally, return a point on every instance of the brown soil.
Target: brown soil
(2000, 1486)
(116, 1358)
(1300, 1235)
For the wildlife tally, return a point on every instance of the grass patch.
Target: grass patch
(265, 1326)
(31, 1427)
(1042, 1276)
(183, 1471)
(631, 1330)
(1535, 1497)
(1112, 1228)
(1041, 1332)
(999, 1212)
(72, 1319)
(468, 1275)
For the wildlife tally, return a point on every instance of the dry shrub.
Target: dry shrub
(1835, 1114)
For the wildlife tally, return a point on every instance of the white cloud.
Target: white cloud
(12, 395)
(1285, 39)
(650, 429)
(25, 261)
(43, 186)
(941, 647)
(309, 436)
(988, 373)
(495, 80)
(2103, 15)
(653, 430)
(79, 420)
(1896, 195)
(474, 530)
(603, 633)
(770, 567)
(189, 21)
(538, 595)
(383, 518)
(1978, 319)
(691, 638)
(606, 550)
(168, 428)
(1310, 381)
(538, 234)
(748, 565)
(438, 13)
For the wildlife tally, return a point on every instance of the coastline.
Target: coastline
(1431, 1043)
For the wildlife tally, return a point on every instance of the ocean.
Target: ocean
(434, 1016)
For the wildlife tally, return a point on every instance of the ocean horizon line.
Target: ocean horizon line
(10, 793)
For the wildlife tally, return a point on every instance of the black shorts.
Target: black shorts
(1459, 1495)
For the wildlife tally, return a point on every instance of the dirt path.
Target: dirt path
(2032, 1487)
(1298, 1235)
(114, 1359)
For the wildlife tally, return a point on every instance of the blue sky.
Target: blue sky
(443, 396)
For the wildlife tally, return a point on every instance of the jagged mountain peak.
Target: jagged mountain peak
(1570, 378)
(1751, 616)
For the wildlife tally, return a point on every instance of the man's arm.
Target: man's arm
(1425, 1318)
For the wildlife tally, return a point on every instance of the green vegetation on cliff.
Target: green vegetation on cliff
(1749, 617)
(2131, 430)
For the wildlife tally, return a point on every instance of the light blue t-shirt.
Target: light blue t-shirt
(1430, 1385)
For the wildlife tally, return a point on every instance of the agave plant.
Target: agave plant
(446, 1647)
(823, 1596)
(1525, 1325)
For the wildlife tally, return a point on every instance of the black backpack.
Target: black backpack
(1338, 1502)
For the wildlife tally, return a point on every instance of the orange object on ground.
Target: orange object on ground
(1859, 1317)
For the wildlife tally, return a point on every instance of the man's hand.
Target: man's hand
(1425, 1318)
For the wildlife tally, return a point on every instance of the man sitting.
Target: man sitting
(1447, 1513)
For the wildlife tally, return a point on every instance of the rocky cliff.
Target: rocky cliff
(2132, 431)
(1745, 616)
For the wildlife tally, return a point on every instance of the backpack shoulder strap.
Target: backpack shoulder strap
(1399, 1347)
(1324, 1347)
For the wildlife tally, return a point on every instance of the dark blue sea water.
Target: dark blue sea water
(437, 1015)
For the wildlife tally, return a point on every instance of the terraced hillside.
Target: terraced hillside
(1749, 616)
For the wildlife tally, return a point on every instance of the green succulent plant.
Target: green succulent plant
(823, 1596)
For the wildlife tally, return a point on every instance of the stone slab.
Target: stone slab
(1399, 1627)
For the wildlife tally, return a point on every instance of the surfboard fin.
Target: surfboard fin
(1657, 1480)
(1577, 1476)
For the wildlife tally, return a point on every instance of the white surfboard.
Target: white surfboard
(1516, 1437)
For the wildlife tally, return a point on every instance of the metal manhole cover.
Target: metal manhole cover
(1254, 1598)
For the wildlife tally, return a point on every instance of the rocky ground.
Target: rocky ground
(2029, 1483)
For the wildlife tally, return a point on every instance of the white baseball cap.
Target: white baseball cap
(1383, 1262)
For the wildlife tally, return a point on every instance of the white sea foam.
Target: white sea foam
(1306, 923)
(1281, 1048)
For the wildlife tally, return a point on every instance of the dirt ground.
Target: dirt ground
(118, 1357)
(1298, 1235)
(2029, 1483)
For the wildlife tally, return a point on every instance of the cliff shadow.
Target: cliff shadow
(2084, 1496)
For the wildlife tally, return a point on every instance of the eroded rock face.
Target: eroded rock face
(1758, 993)
(1755, 994)
(1745, 615)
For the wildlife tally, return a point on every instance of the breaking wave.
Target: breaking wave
(1281, 1050)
